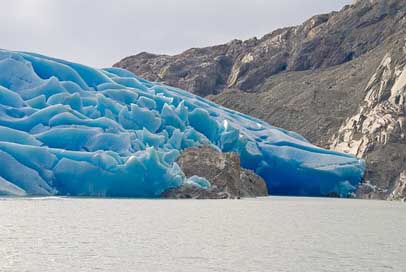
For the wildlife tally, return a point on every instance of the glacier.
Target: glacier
(69, 129)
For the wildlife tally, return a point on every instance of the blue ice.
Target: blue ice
(69, 129)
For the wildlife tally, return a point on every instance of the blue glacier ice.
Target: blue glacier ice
(69, 129)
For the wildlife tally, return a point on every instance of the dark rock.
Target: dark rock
(399, 193)
(222, 170)
(333, 195)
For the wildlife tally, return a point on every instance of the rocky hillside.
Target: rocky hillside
(338, 79)
(377, 129)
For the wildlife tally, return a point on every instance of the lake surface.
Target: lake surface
(269, 234)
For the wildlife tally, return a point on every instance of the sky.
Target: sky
(101, 32)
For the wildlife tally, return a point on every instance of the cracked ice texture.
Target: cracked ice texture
(69, 129)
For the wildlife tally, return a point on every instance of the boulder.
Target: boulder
(222, 170)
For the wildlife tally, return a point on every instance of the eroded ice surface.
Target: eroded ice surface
(69, 129)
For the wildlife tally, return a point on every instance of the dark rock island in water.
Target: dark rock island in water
(222, 170)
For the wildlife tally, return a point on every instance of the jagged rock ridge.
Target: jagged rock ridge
(322, 41)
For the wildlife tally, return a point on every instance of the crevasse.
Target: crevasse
(69, 129)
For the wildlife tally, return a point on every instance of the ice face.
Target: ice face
(69, 129)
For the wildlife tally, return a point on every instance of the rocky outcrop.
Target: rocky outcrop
(400, 190)
(377, 131)
(222, 170)
(338, 79)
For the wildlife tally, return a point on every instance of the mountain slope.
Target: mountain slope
(313, 79)
(322, 41)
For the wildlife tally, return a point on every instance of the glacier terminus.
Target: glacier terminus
(69, 129)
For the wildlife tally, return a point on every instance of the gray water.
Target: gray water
(269, 234)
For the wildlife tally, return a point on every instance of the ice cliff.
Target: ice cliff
(69, 129)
